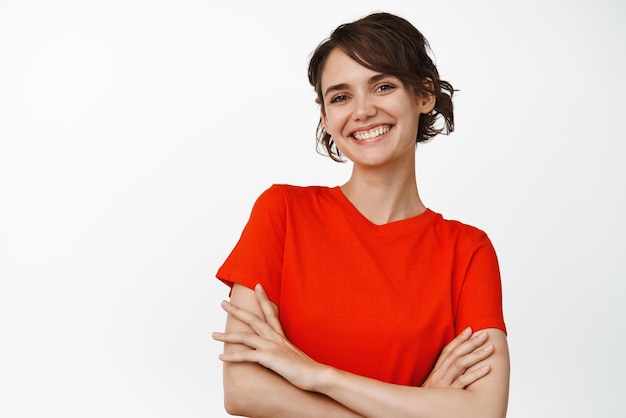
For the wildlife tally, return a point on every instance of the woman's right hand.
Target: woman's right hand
(456, 366)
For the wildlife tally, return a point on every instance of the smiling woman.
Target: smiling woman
(368, 43)
(358, 300)
(370, 117)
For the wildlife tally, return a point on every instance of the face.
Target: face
(372, 117)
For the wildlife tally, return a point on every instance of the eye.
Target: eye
(339, 98)
(385, 87)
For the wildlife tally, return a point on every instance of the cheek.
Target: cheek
(335, 121)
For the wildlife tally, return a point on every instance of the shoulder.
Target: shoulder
(291, 194)
(461, 231)
(296, 191)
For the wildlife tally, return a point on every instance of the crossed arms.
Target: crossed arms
(266, 376)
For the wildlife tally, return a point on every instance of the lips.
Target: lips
(371, 133)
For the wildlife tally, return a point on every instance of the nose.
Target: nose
(364, 107)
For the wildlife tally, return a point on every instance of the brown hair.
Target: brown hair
(391, 45)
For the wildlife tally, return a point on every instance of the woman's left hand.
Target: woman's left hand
(269, 346)
(458, 363)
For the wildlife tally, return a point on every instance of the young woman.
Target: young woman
(346, 300)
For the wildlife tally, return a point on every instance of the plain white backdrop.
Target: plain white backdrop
(135, 136)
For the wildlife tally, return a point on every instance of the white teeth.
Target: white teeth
(372, 133)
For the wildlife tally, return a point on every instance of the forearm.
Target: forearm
(485, 398)
(377, 399)
(253, 391)
(255, 344)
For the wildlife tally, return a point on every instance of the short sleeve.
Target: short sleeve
(480, 301)
(258, 255)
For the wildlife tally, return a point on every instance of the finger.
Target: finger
(459, 347)
(463, 336)
(258, 324)
(242, 356)
(251, 340)
(441, 375)
(469, 361)
(457, 341)
(268, 310)
(470, 377)
(265, 358)
(476, 358)
(464, 359)
(476, 340)
(466, 355)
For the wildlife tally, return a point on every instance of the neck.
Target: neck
(384, 198)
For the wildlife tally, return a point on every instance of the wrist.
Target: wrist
(324, 379)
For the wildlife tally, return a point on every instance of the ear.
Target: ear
(324, 120)
(426, 102)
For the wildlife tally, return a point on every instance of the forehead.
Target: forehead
(339, 68)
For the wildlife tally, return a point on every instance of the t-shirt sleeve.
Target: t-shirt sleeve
(258, 255)
(480, 301)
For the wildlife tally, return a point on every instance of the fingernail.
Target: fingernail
(467, 331)
(259, 288)
(225, 303)
(488, 348)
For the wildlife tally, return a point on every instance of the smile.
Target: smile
(371, 133)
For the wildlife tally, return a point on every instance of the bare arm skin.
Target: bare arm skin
(254, 343)
(485, 398)
(254, 391)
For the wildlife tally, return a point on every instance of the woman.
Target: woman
(343, 299)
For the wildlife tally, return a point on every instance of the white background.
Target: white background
(135, 136)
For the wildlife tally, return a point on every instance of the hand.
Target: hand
(456, 366)
(269, 346)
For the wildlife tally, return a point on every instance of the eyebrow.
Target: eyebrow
(342, 86)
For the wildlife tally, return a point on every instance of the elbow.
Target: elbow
(234, 391)
(231, 402)
(232, 405)
(238, 400)
(241, 389)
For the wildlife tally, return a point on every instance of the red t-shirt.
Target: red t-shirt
(377, 300)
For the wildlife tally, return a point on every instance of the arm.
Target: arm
(252, 390)
(484, 397)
